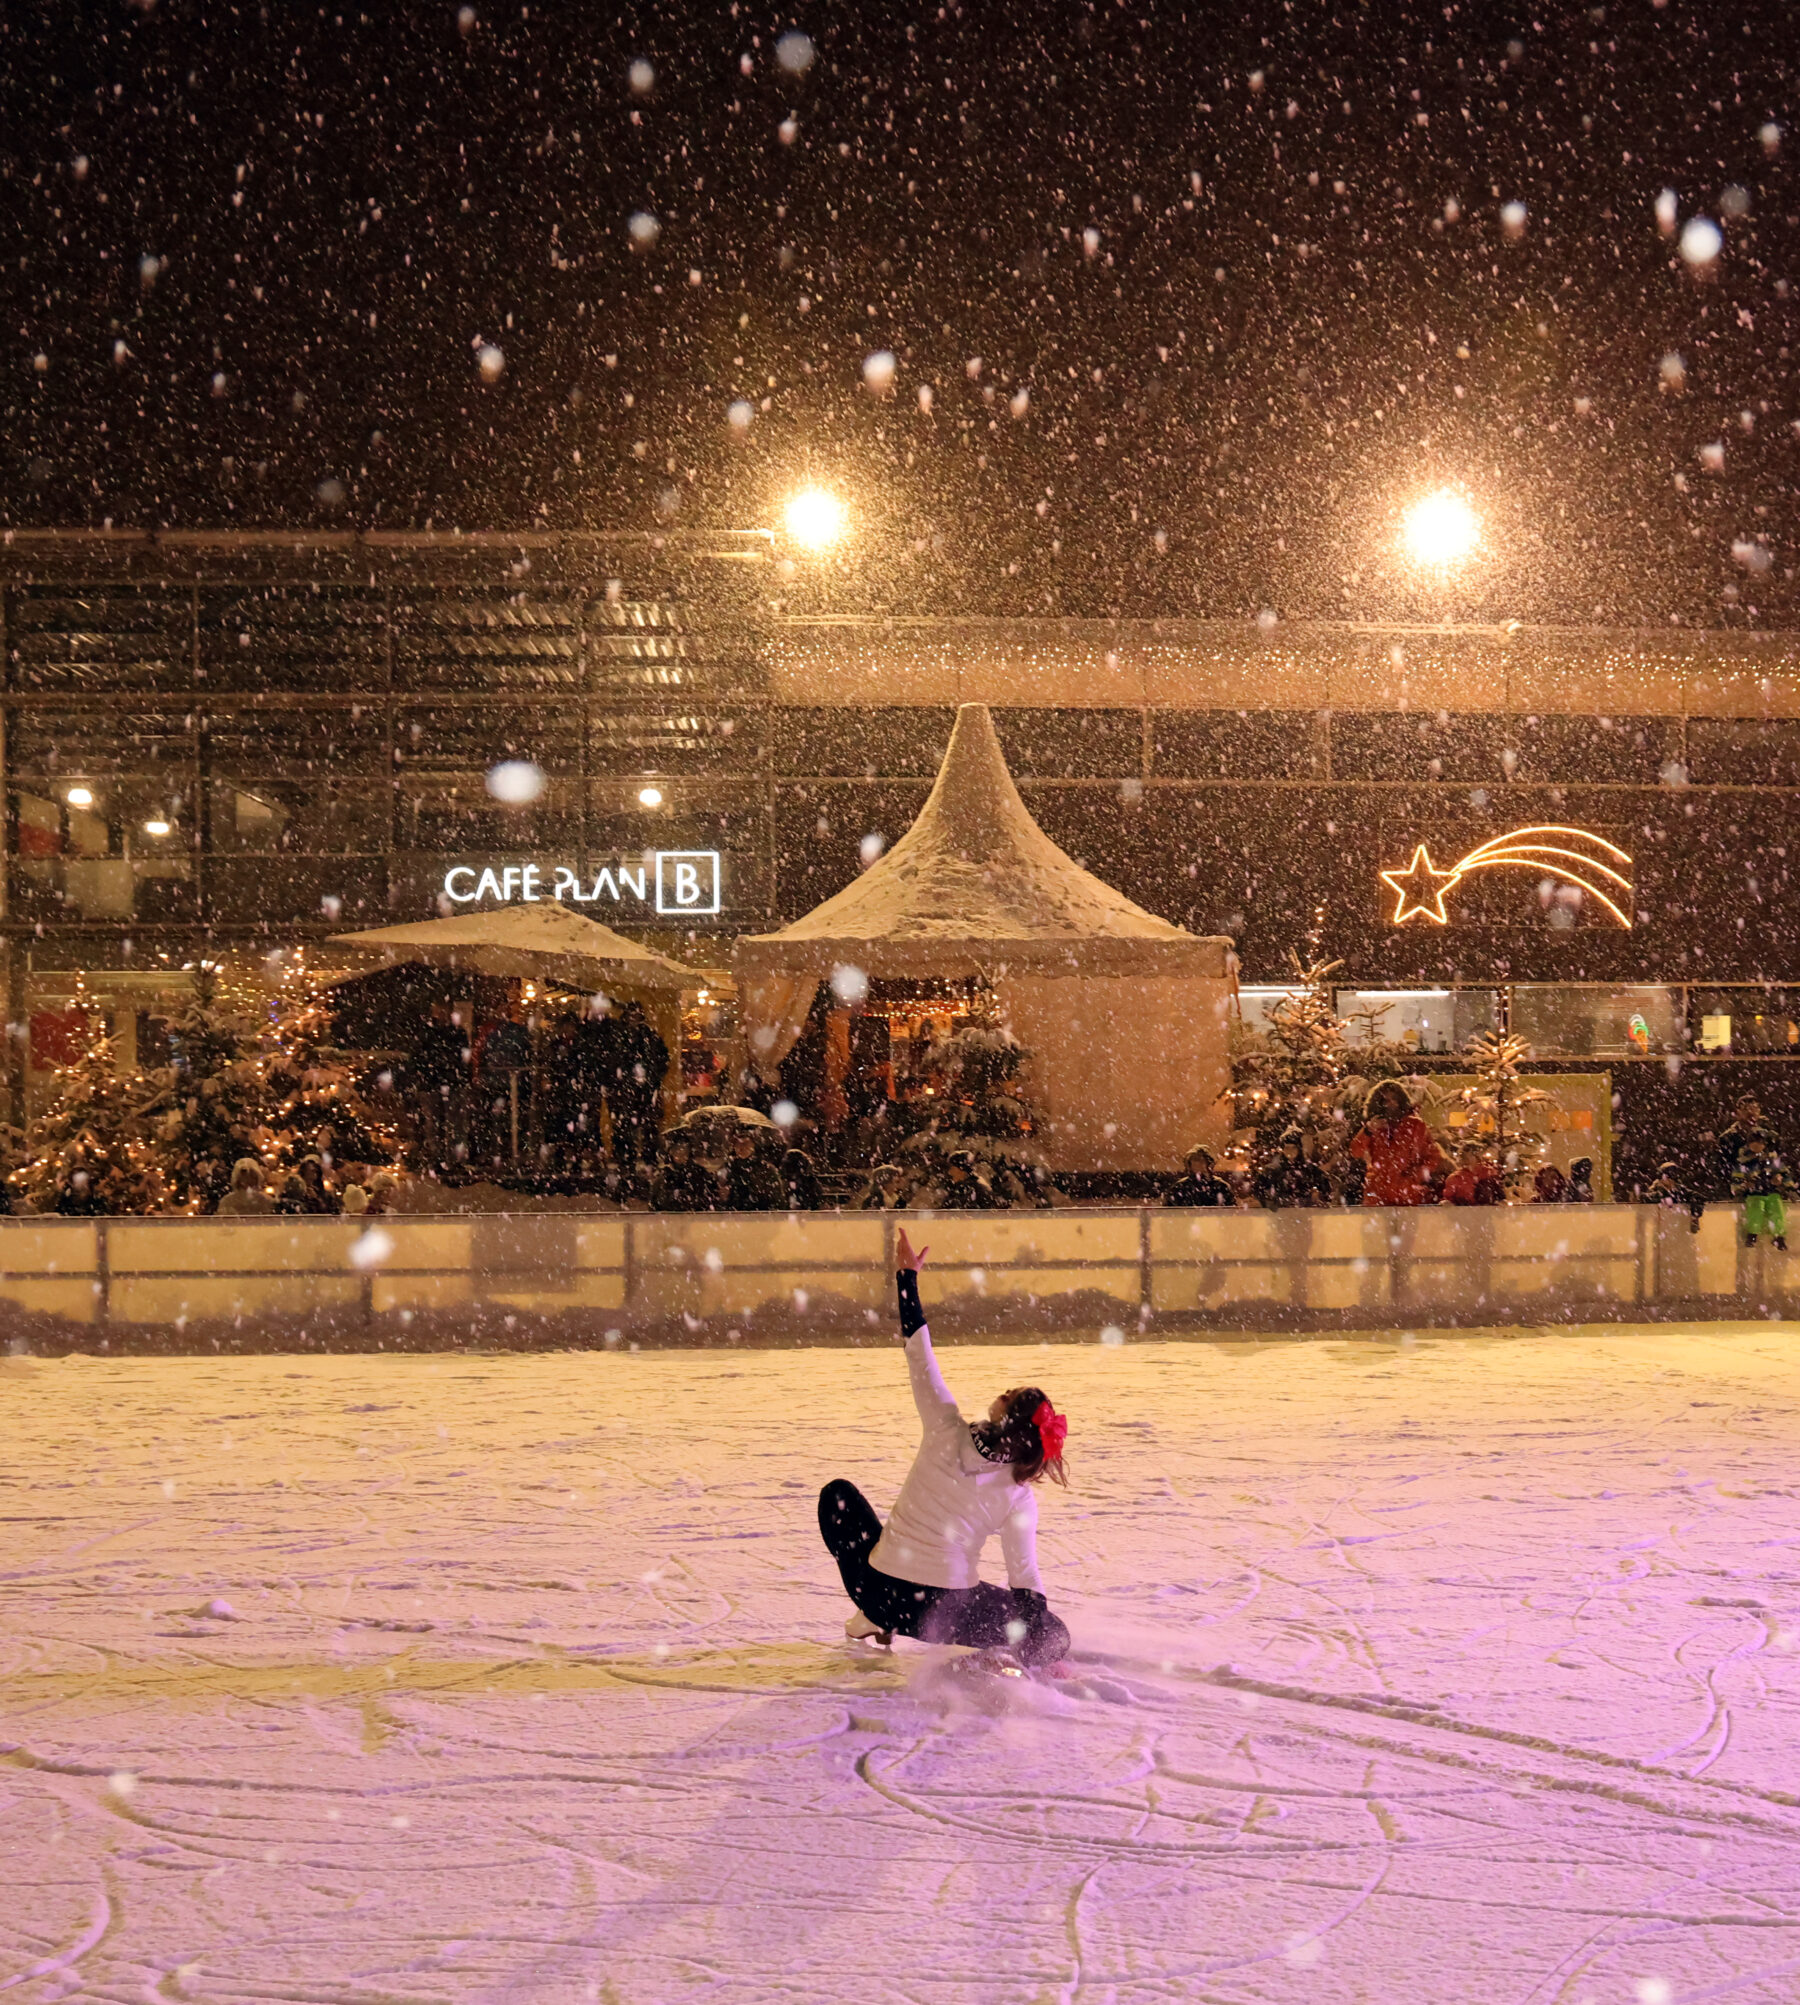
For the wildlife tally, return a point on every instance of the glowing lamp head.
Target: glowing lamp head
(156, 826)
(815, 519)
(650, 797)
(1441, 530)
(80, 797)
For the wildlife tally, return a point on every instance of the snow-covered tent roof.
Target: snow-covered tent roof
(544, 940)
(975, 886)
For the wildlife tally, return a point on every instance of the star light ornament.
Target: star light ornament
(1420, 889)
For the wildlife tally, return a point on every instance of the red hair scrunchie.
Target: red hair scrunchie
(1053, 1430)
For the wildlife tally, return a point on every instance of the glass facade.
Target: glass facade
(214, 748)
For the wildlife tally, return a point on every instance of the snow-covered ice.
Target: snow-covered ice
(1455, 1670)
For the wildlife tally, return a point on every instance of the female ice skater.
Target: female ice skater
(921, 1576)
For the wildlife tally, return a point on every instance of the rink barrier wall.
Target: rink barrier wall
(686, 1277)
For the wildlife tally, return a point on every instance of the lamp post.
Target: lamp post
(1440, 531)
(815, 519)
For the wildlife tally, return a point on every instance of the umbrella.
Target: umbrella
(542, 941)
(743, 1117)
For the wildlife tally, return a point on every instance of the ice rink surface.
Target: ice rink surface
(1456, 1670)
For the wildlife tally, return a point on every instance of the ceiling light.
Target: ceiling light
(649, 797)
(80, 797)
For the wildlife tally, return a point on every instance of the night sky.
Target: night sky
(1239, 290)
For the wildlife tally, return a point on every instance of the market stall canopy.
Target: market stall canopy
(545, 941)
(974, 887)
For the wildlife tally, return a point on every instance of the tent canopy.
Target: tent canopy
(973, 884)
(543, 941)
(973, 887)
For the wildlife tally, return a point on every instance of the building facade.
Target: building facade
(219, 744)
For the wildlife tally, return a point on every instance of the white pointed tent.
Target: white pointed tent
(1123, 1012)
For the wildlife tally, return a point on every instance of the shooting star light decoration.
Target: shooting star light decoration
(1574, 855)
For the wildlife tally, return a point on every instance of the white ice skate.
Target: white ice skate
(860, 1629)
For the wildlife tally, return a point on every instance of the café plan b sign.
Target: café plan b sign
(667, 883)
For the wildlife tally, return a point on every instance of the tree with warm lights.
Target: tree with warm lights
(1500, 1103)
(95, 1125)
(317, 1106)
(1294, 1069)
(980, 1110)
(213, 1105)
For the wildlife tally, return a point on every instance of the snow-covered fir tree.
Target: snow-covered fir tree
(317, 1105)
(93, 1133)
(213, 1104)
(979, 1108)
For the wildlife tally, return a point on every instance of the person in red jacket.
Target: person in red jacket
(1475, 1180)
(1397, 1147)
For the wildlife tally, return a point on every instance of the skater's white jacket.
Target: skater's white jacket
(954, 1500)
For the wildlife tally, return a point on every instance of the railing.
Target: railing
(703, 1277)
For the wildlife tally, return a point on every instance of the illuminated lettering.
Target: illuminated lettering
(686, 882)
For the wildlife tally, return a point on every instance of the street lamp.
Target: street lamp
(1440, 530)
(815, 518)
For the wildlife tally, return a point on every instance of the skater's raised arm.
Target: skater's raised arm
(930, 1394)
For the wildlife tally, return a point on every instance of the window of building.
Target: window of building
(1425, 1020)
(1597, 1022)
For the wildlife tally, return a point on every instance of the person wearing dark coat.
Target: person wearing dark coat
(79, 1195)
(800, 1181)
(964, 1188)
(681, 1183)
(751, 1182)
(634, 1088)
(1748, 1131)
(1200, 1187)
(1762, 1182)
(504, 1055)
(1581, 1181)
(1676, 1187)
(438, 1073)
(305, 1195)
(1289, 1181)
(886, 1189)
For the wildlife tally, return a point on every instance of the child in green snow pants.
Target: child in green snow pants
(1765, 1212)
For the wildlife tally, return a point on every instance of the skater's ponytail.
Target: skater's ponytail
(1030, 1437)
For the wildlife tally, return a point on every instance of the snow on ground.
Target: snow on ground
(1455, 1670)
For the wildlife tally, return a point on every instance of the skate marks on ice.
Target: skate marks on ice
(1439, 1674)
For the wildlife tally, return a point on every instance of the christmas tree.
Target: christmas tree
(1290, 1073)
(980, 1109)
(1500, 1103)
(213, 1103)
(92, 1137)
(317, 1105)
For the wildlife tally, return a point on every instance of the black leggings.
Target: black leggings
(987, 1618)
